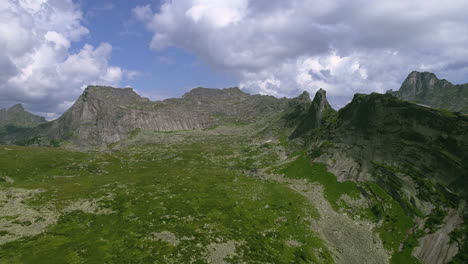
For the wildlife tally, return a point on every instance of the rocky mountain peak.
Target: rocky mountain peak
(418, 82)
(426, 89)
(16, 116)
(320, 101)
(315, 115)
(16, 108)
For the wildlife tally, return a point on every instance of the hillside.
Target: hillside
(418, 155)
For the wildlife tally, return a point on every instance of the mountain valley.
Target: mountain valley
(222, 176)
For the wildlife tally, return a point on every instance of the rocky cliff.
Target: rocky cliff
(16, 117)
(426, 89)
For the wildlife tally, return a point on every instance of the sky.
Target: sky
(53, 49)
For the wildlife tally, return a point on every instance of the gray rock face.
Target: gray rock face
(16, 117)
(437, 248)
(103, 115)
(426, 89)
(319, 106)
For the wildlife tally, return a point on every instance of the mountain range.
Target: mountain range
(398, 160)
(103, 115)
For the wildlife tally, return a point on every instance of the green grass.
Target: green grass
(404, 256)
(158, 188)
(303, 168)
(201, 187)
(395, 226)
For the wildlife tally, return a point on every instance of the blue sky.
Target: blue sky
(53, 49)
(161, 74)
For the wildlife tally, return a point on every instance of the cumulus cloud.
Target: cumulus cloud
(36, 65)
(283, 47)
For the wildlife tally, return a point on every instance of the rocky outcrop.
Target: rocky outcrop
(318, 108)
(426, 89)
(16, 117)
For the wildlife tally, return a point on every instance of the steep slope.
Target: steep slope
(418, 155)
(103, 115)
(425, 88)
(381, 129)
(16, 117)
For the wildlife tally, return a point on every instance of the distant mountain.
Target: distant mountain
(15, 117)
(103, 115)
(426, 89)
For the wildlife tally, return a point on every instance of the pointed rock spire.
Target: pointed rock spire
(320, 100)
(314, 116)
(318, 106)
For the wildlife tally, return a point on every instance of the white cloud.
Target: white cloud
(217, 13)
(37, 66)
(282, 47)
(58, 39)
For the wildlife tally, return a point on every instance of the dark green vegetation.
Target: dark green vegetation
(315, 172)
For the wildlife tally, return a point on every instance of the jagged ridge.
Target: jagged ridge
(103, 115)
